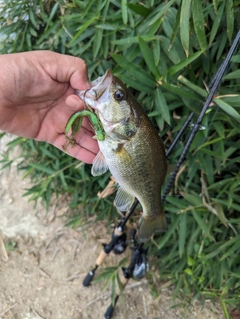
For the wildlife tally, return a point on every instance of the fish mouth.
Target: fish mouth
(98, 87)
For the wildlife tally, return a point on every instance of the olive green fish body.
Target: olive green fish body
(133, 152)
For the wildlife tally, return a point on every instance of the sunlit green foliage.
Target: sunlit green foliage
(167, 52)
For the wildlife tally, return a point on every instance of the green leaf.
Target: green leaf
(184, 24)
(235, 59)
(174, 52)
(188, 271)
(213, 141)
(139, 9)
(163, 9)
(182, 233)
(215, 4)
(138, 73)
(46, 152)
(113, 294)
(124, 11)
(105, 26)
(222, 46)
(135, 84)
(131, 40)
(32, 18)
(33, 32)
(180, 91)
(232, 249)
(148, 57)
(224, 308)
(52, 14)
(156, 52)
(168, 234)
(199, 23)
(83, 27)
(42, 168)
(193, 199)
(175, 28)
(232, 75)
(190, 261)
(176, 68)
(89, 5)
(201, 223)
(227, 108)
(220, 213)
(97, 42)
(230, 19)
(216, 23)
(161, 105)
(53, 29)
(192, 86)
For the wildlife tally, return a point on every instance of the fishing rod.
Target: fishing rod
(118, 241)
(118, 244)
(137, 269)
(214, 85)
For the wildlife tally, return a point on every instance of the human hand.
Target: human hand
(37, 97)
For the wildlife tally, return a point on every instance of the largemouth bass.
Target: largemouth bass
(132, 150)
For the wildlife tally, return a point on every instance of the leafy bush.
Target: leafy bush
(167, 52)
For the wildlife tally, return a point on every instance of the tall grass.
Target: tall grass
(167, 52)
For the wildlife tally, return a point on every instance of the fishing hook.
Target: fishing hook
(84, 99)
(86, 106)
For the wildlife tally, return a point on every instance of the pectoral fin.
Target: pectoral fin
(148, 226)
(123, 200)
(99, 165)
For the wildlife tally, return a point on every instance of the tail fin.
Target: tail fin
(149, 226)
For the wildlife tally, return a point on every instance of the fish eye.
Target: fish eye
(119, 95)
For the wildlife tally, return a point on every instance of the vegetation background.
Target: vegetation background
(167, 52)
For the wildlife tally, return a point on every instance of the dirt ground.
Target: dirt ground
(43, 264)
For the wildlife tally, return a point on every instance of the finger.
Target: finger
(84, 149)
(74, 103)
(85, 139)
(76, 151)
(65, 68)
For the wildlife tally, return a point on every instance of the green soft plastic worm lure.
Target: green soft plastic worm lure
(75, 123)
